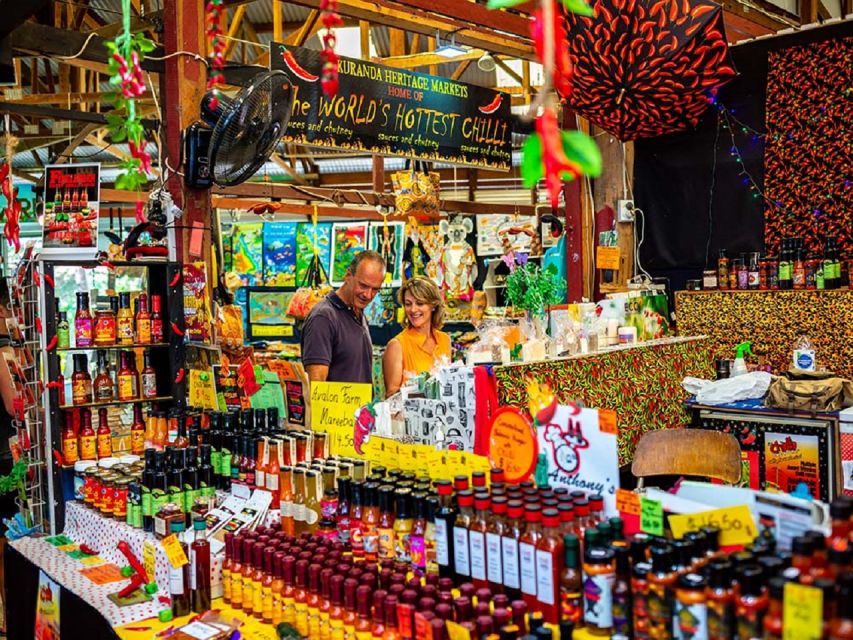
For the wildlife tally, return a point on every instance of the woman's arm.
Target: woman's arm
(392, 367)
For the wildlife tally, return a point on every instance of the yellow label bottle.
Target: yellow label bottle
(337, 629)
(288, 611)
(226, 585)
(277, 608)
(236, 590)
(325, 629)
(301, 609)
(266, 603)
(313, 623)
(88, 447)
(257, 599)
(248, 594)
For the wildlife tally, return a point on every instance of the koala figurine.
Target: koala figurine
(458, 262)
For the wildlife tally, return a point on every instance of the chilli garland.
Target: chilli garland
(12, 211)
(126, 54)
(216, 45)
(330, 19)
(551, 153)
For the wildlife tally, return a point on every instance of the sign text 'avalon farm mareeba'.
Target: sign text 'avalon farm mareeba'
(392, 111)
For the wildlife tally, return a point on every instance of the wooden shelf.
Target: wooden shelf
(88, 405)
(118, 347)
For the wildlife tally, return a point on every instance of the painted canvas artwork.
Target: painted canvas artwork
(247, 256)
(307, 237)
(280, 254)
(388, 240)
(269, 307)
(348, 240)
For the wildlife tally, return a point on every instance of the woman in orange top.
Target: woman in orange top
(416, 348)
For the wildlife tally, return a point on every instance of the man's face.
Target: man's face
(365, 283)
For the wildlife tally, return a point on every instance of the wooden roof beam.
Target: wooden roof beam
(426, 59)
(394, 14)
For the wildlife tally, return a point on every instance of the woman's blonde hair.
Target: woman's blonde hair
(424, 291)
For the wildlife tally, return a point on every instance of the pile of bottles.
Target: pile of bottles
(80, 441)
(128, 383)
(117, 324)
(794, 268)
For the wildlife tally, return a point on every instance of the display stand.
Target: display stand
(164, 279)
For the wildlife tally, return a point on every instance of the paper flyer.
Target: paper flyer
(47, 609)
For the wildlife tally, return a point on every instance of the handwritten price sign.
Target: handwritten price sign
(736, 524)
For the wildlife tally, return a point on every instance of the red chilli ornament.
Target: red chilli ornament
(554, 157)
(330, 19)
(216, 44)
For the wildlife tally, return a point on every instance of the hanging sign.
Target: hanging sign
(71, 194)
(512, 444)
(393, 111)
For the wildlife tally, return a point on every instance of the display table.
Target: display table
(772, 320)
(642, 383)
(780, 450)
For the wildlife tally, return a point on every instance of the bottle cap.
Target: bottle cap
(515, 509)
(640, 570)
(460, 482)
(481, 502)
(444, 487)
(841, 509)
(532, 513)
(465, 498)
(478, 479)
(750, 579)
(692, 582)
(551, 518)
(661, 559)
(444, 611)
(391, 610)
(581, 507)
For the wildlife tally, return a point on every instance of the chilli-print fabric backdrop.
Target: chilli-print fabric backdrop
(642, 384)
(808, 162)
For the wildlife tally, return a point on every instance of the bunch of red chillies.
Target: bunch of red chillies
(562, 74)
(132, 82)
(11, 229)
(214, 10)
(330, 19)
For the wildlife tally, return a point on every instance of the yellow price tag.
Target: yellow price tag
(438, 465)
(479, 463)
(149, 558)
(174, 551)
(736, 524)
(802, 612)
(407, 457)
(456, 631)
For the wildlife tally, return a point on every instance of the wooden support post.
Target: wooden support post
(364, 38)
(277, 21)
(574, 229)
(433, 68)
(398, 42)
(378, 174)
(182, 88)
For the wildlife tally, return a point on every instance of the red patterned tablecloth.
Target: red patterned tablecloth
(642, 383)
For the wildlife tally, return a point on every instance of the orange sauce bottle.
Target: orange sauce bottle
(300, 597)
(751, 603)
(599, 576)
(226, 566)
(237, 574)
(104, 435)
(370, 520)
(70, 448)
(390, 608)
(246, 575)
(661, 580)
(720, 597)
(772, 623)
(549, 553)
(527, 553)
(137, 432)
(88, 440)
(385, 526)
(691, 610)
(285, 476)
(257, 607)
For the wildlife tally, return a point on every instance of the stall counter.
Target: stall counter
(641, 382)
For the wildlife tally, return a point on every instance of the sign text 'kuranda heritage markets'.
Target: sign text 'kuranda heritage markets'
(392, 111)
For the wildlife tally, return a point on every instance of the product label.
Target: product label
(137, 441)
(143, 330)
(402, 546)
(124, 330)
(126, 386)
(660, 606)
(598, 600)
(442, 548)
(69, 450)
(149, 385)
(461, 559)
(176, 580)
(257, 598)
(157, 330)
(81, 391)
(477, 542)
(105, 330)
(509, 553)
(749, 624)
(527, 562)
(417, 551)
(571, 605)
(260, 479)
(105, 445)
(370, 540)
(225, 463)
(248, 593)
(271, 482)
(494, 565)
(386, 542)
(804, 359)
(236, 589)
(83, 332)
(88, 450)
(193, 578)
(622, 612)
(546, 587)
(311, 516)
(690, 621)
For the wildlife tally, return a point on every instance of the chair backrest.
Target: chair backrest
(688, 452)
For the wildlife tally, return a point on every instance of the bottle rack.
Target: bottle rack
(167, 358)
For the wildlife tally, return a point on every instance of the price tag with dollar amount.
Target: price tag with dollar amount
(736, 524)
(174, 551)
(651, 516)
(802, 617)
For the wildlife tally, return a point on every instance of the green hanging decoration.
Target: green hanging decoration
(15, 478)
(532, 289)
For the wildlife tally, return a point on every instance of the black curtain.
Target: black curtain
(692, 190)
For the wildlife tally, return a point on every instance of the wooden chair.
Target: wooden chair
(687, 452)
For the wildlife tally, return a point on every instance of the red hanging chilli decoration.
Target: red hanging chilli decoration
(12, 229)
(49, 279)
(330, 20)
(176, 279)
(216, 42)
(180, 377)
(50, 345)
(176, 330)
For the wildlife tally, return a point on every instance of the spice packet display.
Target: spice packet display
(495, 342)
(236, 514)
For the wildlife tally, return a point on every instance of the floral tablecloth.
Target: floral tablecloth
(641, 383)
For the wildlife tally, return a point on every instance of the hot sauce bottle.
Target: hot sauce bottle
(494, 531)
(257, 607)
(639, 599)
(622, 605)
(509, 549)
(285, 477)
(691, 612)
(104, 327)
(313, 600)
(81, 381)
(720, 601)
(751, 602)
(461, 549)
(125, 379)
(549, 553)
(63, 331)
(148, 377)
(300, 597)
(772, 623)
(391, 618)
(70, 449)
(179, 587)
(445, 517)
(277, 586)
(841, 625)
(104, 435)
(143, 320)
(227, 564)
(88, 440)
(377, 629)
(477, 537)
(349, 616)
(527, 553)
(363, 625)
(200, 566)
(104, 390)
(157, 328)
(571, 589)
(342, 517)
(599, 576)
(336, 611)
(83, 334)
(370, 521)
(385, 526)
(137, 432)
(403, 524)
(124, 320)
(661, 581)
(243, 582)
(325, 602)
(288, 589)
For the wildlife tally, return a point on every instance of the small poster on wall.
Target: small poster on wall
(71, 206)
(387, 239)
(308, 237)
(280, 254)
(247, 252)
(791, 459)
(348, 240)
(580, 453)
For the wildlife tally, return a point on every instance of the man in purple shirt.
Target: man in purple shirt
(336, 344)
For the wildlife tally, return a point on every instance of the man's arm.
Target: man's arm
(317, 372)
